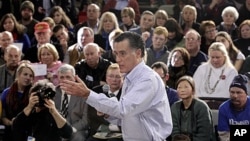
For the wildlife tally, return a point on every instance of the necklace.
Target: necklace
(208, 88)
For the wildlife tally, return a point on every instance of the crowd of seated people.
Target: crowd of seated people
(208, 43)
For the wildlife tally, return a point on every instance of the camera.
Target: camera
(44, 93)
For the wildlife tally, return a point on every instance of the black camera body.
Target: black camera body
(44, 93)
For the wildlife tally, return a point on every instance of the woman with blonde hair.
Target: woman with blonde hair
(108, 23)
(48, 55)
(213, 78)
(16, 97)
(161, 17)
(189, 16)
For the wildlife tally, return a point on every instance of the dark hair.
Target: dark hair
(187, 78)
(134, 39)
(184, 53)
(18, 28)
(173, 26)
(160, 65)
(58, 27)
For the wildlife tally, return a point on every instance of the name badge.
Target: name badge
(89, 78)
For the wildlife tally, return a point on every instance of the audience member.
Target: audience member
(116, 6)
(48, 55)
(207, 32)
(6, 39)
(60, 17)
(178, 8)
(189, 16)
(74, 109)
(75, 54)
(214, 76)
(27, 11)
(178, 64)
(175, 34)
(191, 116)
(40, 118)
(245, 67)
(108, 23)
(192, 44)
(128, 19)
(213, 10)
(236, 110)
(236, 56)
(64, 37)
(243, 42)
(109, 55)
(12, 56)
(158, 51)
(15, 98)
(9, 23)
(146, 27)
(93, 68)
(229, 16)
(143, 94)
(113, 88)
(162, 69)
(93, 14)
(43, 35)
(161, 17)
(244, 12)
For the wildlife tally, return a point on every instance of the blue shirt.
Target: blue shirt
(228, 116)
(143, 110)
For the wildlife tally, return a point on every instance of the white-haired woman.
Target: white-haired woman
(229, 17)
(212, 79)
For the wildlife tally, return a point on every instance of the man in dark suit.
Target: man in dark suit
(73, 108)
(112, 89)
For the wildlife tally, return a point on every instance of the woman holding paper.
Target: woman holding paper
(48, 55)
(16, 97)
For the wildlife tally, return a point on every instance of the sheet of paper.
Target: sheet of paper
(19, 45)
(40, 69)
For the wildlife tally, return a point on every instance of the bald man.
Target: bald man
(93, 68)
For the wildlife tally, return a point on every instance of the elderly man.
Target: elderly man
(143, 109)
(192, 44)
(74, 53)
(234, 111)
(43, 35)
(93, 68)
(6, 39)
(93, 15)
(12, 56)
(73, 108)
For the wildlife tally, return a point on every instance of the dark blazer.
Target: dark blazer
(94, 120)
(77, 114)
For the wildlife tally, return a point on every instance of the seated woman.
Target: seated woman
(191, 116)
(229, 16)
(16, 97)
(236, 56)
(47, 54)
(212, 79)
(189, 16)
(161, 17)
(40, 118)
(178, 64)
(175, 34)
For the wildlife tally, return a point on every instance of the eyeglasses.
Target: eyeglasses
(190, 39)
(114, 76)
(210, 31)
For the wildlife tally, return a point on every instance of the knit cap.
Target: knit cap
(240, 81)
(27, 4)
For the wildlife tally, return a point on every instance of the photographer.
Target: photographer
(40, 119)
